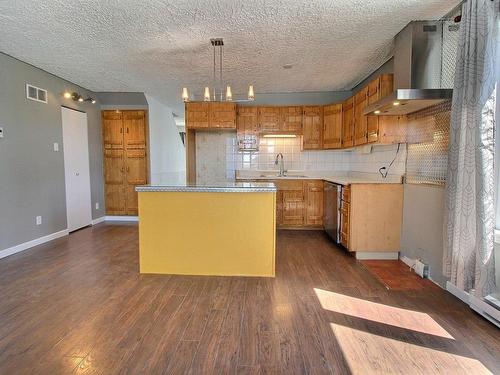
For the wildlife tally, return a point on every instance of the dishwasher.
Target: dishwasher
(331, 210)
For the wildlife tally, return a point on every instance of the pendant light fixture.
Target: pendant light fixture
(217, 93)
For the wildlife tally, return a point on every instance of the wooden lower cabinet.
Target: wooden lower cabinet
(371, 217)
(299, 203)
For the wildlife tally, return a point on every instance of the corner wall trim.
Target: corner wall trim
(98, 220)
(37, 241)
(121, 218)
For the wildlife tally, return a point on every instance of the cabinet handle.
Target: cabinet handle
(122, 169)
(127, 129)
(128, 169)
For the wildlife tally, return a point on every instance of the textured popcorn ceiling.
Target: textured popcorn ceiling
(160, 46)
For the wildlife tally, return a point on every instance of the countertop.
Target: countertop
(342, 179)
(222, 187)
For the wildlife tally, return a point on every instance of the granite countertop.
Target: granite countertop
(341, 179)
(222, 187)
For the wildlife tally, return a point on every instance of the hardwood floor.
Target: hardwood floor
(78, 305)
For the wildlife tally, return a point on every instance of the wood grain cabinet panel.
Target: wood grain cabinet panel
(332, 126)
(360, 123)
(124, 167)
(222, 115)
(247, 121)
(293, 207)
(392, 129)
(348, 123)
(197, 115)
(314, 202)
(269, 119)
(312, 127)
(377, 89)
(134, 131)
(291, 119)
(112, 126)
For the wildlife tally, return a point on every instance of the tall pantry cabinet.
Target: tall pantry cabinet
(125, 159)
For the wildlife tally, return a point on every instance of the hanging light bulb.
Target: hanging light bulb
(185, 95)
(206, 96)
(229, 94)
(251, 94)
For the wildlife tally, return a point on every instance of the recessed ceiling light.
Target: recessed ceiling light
(287, 66)
(395, 103)
(377, 112)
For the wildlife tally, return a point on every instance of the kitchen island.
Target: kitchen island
(225, 229)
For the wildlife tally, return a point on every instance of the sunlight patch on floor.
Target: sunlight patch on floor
(377, 312)
(367, 353)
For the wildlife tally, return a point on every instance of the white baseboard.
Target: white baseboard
(408, 261)
(98, 220)
(459, 293)
(121, 218)
(377, 255)
(37, 241)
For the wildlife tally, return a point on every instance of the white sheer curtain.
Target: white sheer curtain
(470, 190)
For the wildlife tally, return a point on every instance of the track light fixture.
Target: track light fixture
(77, 97)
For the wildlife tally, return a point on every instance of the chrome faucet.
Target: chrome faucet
(282, 166)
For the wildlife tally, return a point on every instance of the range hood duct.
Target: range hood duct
(424, 68)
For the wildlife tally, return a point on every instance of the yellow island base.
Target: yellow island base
(228, 232)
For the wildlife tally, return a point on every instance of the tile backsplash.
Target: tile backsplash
(218, 157)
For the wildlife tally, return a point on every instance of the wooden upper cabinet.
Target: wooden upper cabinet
(312, 127)
(348, 123)
(269, 119)
(112, 129)
(314, 202)
(332, 126)
(197, 115)
(223, 115)
(134, 129)
(360, 124)
(393, 129)
(291, 119)
(377, 89)
(247, 121)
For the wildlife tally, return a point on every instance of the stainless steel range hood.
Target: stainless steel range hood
(424, 67)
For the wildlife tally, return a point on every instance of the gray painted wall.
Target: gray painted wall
(422, 233)
(31, 173)
(122, 100)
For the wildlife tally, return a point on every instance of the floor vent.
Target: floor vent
(35, 93)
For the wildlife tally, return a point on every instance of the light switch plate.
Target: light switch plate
(1, 132)
(56, 146)
(38, 220)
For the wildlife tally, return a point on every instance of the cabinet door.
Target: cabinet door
(112, 129)
(293, 207)
(134, 129)
(359, 118)
(247, 121)
(114, 171)
(279, 207)
(291, 119)
(269, 119)
(136, 174)
(314, 202)
(197, 115)
(223, 115)
(392, 129)
(332, 126)
(348, 123)
(312, 124)
(345, 224)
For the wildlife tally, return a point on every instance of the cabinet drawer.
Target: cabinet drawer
(287, 185)
(346, 193)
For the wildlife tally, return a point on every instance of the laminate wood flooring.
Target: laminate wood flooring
(78, 305)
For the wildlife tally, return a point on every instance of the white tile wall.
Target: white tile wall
(217, 157)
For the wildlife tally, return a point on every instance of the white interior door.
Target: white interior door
(76, 168)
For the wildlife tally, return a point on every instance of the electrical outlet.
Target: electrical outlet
(56, 146)
(97, 205)
(38, 220)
